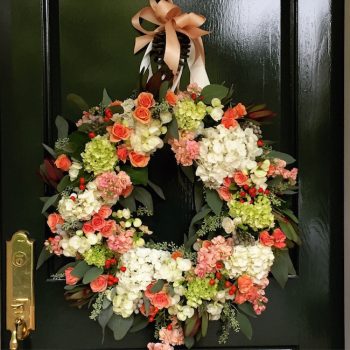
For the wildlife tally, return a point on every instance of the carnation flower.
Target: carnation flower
(223, 151)
(122, 242)
(186, 149)
(99, 156)
(255, 260)
(112, 185)
(189, 114)
(257, 215)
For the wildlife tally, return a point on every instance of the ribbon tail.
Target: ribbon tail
(146, 61)
(196, 65)
(177, 80)
(172, 48)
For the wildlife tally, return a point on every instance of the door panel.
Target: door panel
(87, 46)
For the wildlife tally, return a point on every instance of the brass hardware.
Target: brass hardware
(20, 307)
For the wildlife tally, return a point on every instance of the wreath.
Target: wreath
(243, 226)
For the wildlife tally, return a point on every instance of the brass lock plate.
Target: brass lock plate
(19, 281)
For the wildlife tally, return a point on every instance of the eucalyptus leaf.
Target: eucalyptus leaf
(80, 269)
(138, 176)
(92, 274)
(120, 325)
(44, 256)
(205, 322)
(173, 130)
(281, 266)
(65, 182)
(156, 189)
(128, 202)
(62, 127)
(147, 304)
(65, 267)
(189, 342)
(144, 197)
(247, 309)
(289, 231)
(103, 319)
(157, 287)
(49, 150)
(214, 201)
(78, 101)
(190, 325)
(106, 100)
(140, 322)
(49, 202)
(284, 156)
(199, 216)
(189, 172)
(245, 325)
(164, 87)
(214, 91)
(198, 196)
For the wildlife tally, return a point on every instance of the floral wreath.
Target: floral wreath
(240, 233)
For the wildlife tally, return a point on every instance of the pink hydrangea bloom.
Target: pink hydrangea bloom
(159, 346)
(53, 243)
(186, 149)
(122, 242)
(112, 185)
(211, 252)
(174, 336)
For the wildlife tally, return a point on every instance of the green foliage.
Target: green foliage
(78, 101)
(44, 256)
(92, 274)
(158, 286)
(106, 100)
(120, 326)
(282, 267)
(140, 322)
(50, 201)
(128, 202)
(138, 176)
(80, 269)
(104, 317)
(156, 189)
(62, 127)
(214, 91)
(245, 325)
(286, 157)
(144, 197)
(213, 200)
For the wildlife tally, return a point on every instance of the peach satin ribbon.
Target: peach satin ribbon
(170, 19)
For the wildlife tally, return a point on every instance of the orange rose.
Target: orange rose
(171, 98)
(127, 191)
(245, 283)
(240, 178)
(70, 279)
(122, 153)
(240, 109)
(145, 99)
(53, 220)
(161, 300)
(224, 193)
(266, 239)
(142, 114)
(279, 238)
(109, 228)
(118, 132)
(63, 162)
(176, 254)
(138, 160)
(228, 122)
(99, 284)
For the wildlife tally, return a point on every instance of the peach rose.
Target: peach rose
(279, 238)
(228, 122)
(240, 298)
(127, 191)
(138, 160)
(171, 98)
(266, 239)
(227, 181)
(118, 132)
(109, 228)
(142, 114)
(224, 193)
(53, 220)
(87, 228)
(105, 212)
(241, 110)
(145, 99)
(99, 284)
(244, 283)
(161, 300)
(122, 153)
(97, 222)
(63, 162)
(70, 279)
(240, 178)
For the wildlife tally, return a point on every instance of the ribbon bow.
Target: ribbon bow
(170, 19)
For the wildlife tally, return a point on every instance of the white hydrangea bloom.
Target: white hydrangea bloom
(82, 207)
(145, 138)
(214, 311)
(143, 266)
(74, 170)
(222, 151)
(73, 245)
(255, 261)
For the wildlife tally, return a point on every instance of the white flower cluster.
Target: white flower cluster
(143, 266)
(222, 151)
(255, 261)
(78, 243)
(145, 138)
(80, 206)
(74, 170)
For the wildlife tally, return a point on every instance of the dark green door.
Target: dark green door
(286, 53)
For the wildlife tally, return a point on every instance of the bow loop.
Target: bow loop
(170, 18)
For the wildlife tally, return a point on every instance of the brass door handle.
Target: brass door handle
(20, 307)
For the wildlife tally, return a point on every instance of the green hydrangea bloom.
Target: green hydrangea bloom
(189, 114)
(97, 255)
(199, 289)
(257, 215)
(99, 156)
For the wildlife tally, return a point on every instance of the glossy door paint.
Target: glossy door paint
(281, 52)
